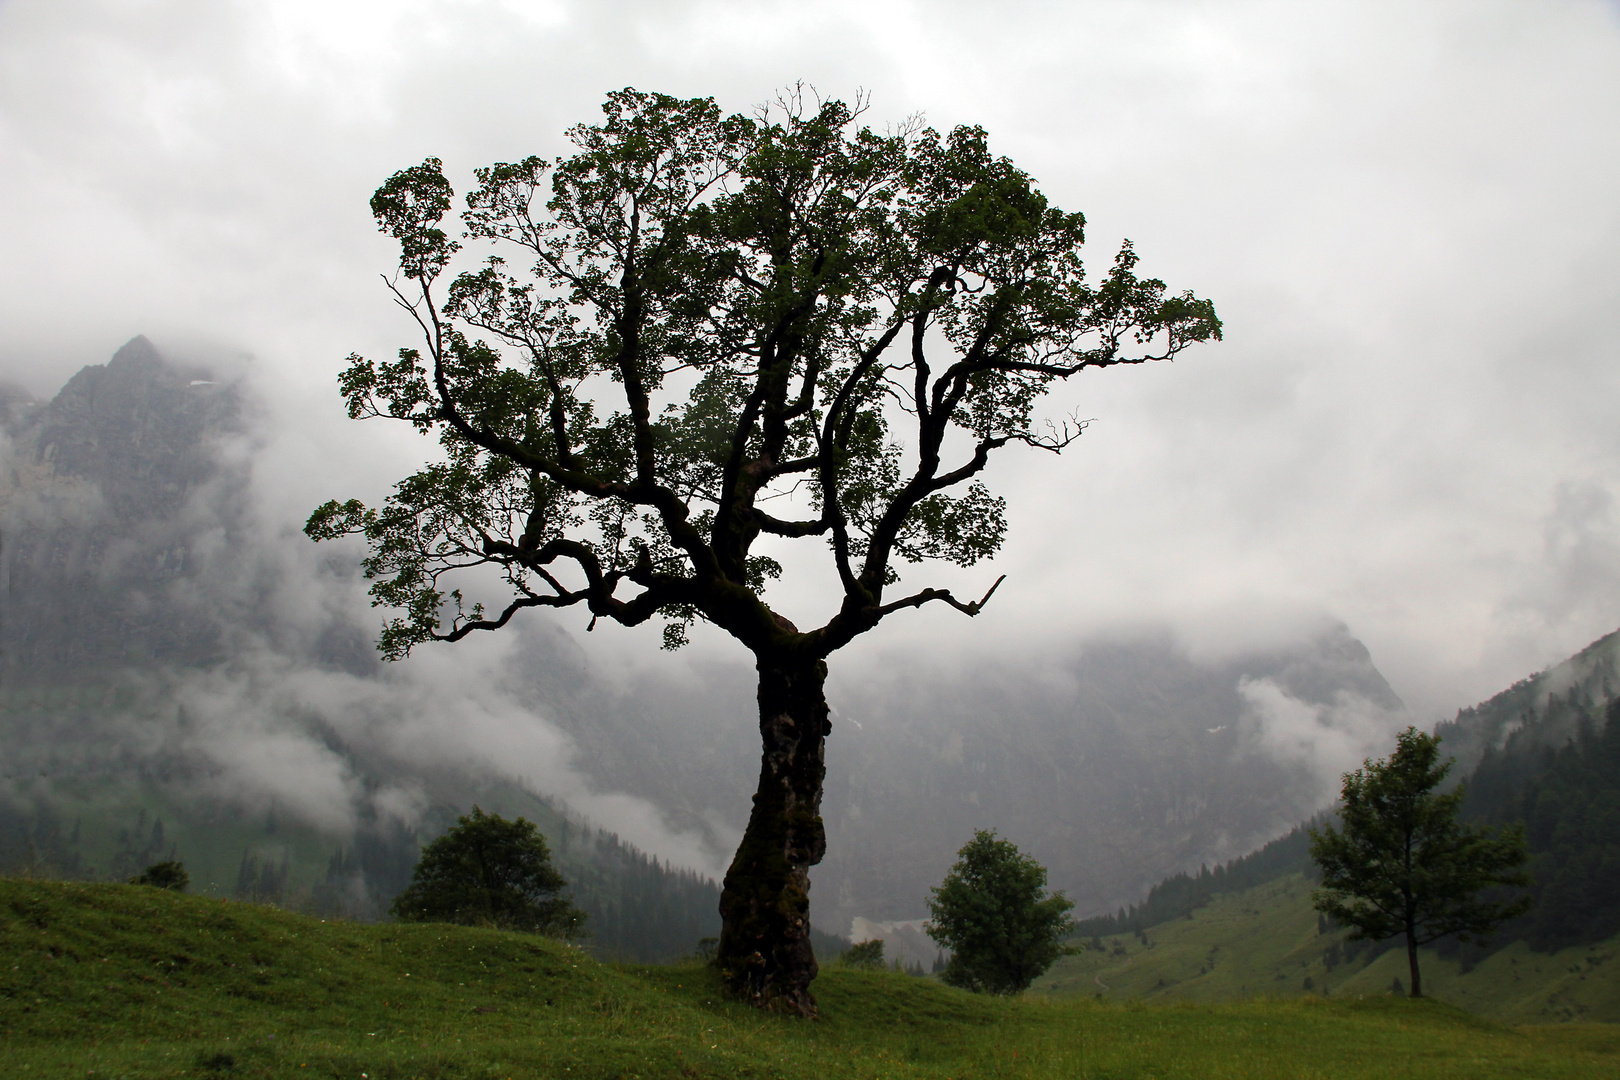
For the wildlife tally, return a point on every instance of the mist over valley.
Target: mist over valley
(166, 640)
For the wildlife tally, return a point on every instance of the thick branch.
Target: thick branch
(981, 457)
(837, 419)
(778, 527)
(462, 629)
(629, 357)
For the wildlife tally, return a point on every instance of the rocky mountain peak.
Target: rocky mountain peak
(107, 493)
(137, 355)
(138, 426)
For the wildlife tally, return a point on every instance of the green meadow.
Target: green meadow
(1266, 941)
(125, 981)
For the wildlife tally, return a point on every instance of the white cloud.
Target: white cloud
(1324, 740)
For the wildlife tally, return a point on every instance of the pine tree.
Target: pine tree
(1401, 864)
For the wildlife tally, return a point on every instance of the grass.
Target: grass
(1265, 941)
(126, 981)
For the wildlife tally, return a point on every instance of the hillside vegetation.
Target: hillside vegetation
(1269, 941)
(1545, 758)
(125, 981)
(1568, 798)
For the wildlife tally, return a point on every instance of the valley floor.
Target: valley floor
(125, 981)
(1266, 942)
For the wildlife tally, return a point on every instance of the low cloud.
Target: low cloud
(331, 747)
(1323, 741)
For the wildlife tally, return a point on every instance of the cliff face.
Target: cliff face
(109, 496)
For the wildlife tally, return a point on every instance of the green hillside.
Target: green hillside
(1268, 941)
(66, 814)
(124, 981)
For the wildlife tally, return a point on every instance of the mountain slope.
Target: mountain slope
(638, 908)
(1551, 702)
(1549, 760)
(1112, 762)
(1568, 799)
(1269, 941)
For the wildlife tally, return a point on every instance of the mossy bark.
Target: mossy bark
(764, 950)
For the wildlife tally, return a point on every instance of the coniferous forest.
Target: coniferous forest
(1568, 798)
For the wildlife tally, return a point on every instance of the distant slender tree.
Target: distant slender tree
(716, 329)
(1400, 863)
(993, 913)
(487, 871)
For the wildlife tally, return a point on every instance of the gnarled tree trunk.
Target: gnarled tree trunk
(765, 903)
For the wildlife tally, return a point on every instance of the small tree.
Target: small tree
(867, 955)
(991, 913)
(164, 875)
(701, 332)
(1400, 863)
(487, 871)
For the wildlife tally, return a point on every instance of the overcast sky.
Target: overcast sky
(1407, 214)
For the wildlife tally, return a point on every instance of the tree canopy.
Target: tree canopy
(698, 331)
(993, 914)
(1401, 863)
(488, 871)
(708, 311)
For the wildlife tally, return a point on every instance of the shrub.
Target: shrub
(867, 955)
(164, 875)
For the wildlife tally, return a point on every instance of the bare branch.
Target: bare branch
(929, 595)
(1058, 437)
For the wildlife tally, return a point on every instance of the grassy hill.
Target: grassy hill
(1266, 941)
(124, 981)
